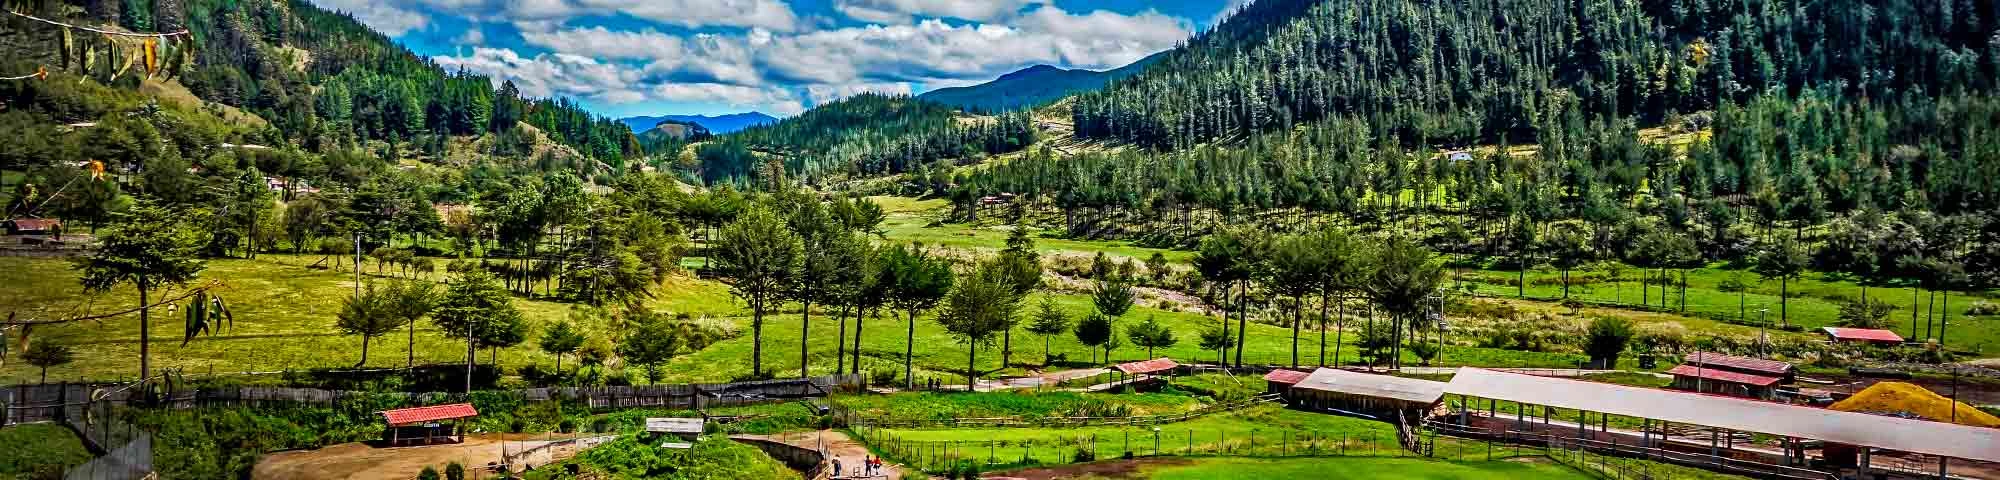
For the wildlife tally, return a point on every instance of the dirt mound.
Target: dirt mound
(1908, 399)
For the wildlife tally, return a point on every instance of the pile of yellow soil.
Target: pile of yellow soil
(1905, 398)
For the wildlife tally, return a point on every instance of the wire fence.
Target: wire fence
(852, 418)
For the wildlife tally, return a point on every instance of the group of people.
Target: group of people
(870, 467)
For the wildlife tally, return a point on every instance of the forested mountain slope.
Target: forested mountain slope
(1459, 71)
(322, 80)
(1032, 86)
(867, 134)
(730, 123)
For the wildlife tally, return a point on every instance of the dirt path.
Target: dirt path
(360, 461)
(1114, 469)
(851, 453)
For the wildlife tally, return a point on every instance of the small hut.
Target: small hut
(1870, 336)
(676, 432)
(1367, 394)
(1709, 372)
(1280, 381)
(426, 425)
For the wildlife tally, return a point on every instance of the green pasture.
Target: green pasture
(1815, 300)
(36, 450)
(1383, 468)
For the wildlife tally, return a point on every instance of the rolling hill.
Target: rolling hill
(1032, 86)
(719, 124)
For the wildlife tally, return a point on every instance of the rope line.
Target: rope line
(106, 32)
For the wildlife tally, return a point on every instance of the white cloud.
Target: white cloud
(781, 72)
(568, 75)
(902, 11)
(382, 16)
(472, 36)
(395, 17)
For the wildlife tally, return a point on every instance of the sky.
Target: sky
(706, 57)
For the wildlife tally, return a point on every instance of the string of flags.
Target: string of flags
(115, 53)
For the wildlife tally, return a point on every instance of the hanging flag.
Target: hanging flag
(152, 57)
(68, 47)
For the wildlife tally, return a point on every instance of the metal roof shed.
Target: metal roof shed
(1889, 433)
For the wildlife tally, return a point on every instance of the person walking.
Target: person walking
(836, 468)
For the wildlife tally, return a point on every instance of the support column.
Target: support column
(1866, 459)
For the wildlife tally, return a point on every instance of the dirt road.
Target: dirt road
(360, 461)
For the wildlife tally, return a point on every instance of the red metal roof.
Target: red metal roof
(1742, 364)
(1288, 377)
(1867, 334)
(35, 224)
(1724, 375)
(406, 416)
(1150, 366)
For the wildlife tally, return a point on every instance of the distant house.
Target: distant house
(1459, 156)
(685, 430)
(1367, 394)
(1709, 372)
(1001, 199)
(34, 226)
(1281, 381)
(425, 425)
(1870, 336)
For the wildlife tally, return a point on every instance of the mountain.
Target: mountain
(1492, 72)
(1033, 86)
(720, 124)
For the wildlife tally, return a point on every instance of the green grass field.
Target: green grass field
(36, 449)
(1383, 468)
(285, 320)
(1815, 301)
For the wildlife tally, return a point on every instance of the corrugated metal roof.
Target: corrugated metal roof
(1288, 377)
(1150, 366)
(1371, 385)
(405, 416)
(1919, 436)
(1741, 364)
(1724, 375)
(1868, 334)
(673, 425)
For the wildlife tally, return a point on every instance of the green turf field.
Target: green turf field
(1382, 468)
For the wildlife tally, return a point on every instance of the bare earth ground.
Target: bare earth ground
(1110, 469)
(850, 452)
(360, 461)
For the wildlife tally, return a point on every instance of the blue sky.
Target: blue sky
(651, 57)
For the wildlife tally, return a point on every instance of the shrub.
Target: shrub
(454, 471)
(884, 376)
(428, 474)
(1982, 309)
(1085, 456)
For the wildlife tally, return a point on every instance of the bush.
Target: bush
(1085, 456)
(883, 376)
(454, 471)
(1982, 309)
(428, 474)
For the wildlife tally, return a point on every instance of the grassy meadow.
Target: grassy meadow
(285, 319)
(1815, 300)
(36, 450)
(1384, 468)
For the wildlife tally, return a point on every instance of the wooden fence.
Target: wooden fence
(46, 403)
(849, 417)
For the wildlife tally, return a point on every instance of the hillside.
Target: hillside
(867, 135)
(1444, 72)
(719, 124)
(1032, 86)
